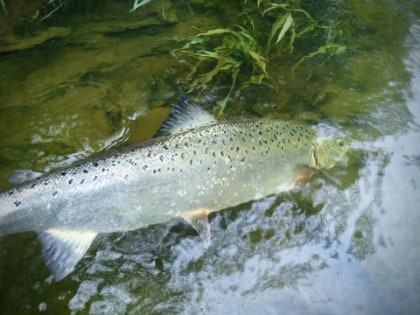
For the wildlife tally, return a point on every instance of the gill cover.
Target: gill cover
(328, 151)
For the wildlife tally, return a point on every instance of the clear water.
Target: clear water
(344, 246)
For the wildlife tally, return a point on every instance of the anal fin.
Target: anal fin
(199, 221)
(62, 249)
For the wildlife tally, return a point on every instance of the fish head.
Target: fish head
(328, 151)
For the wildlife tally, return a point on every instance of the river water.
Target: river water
(344, 243)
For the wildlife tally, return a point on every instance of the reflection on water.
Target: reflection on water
(345, 243)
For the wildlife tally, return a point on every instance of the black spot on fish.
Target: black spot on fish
(243, 159)
(82, 181)
(182, 155)
(161, 158)
(195, 152)
(149, 154)
(63, 174)
(165, 147)
(46, 183)
(103, 170)
(214, 154)
(191, 162)
(260, 133)
(11, 192)
(95, 178)
(33, 185)
(85, 171)
(55, 193)
(222, 153)
(70, 181)
(17, 203)
(145, 166)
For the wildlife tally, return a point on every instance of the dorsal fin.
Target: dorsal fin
(186, 115)
(21, 176)
(62, 249)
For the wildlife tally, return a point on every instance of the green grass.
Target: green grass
(264, 33)
(224, 51)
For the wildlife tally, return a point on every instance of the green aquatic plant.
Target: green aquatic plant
(329, 50)
(139, 3)
(290, 18)
(56, 5)
(265, 32)
(3, 6)
(223, 51)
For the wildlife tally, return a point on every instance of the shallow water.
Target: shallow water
(345, 243)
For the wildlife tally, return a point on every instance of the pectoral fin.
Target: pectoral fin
(200, 222)
(62, 249)
(304, 174)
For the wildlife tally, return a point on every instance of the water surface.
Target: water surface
(344, 243)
